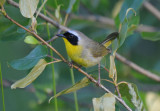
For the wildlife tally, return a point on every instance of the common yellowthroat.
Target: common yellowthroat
(83, 50)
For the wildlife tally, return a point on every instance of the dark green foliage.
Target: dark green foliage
(31, 59)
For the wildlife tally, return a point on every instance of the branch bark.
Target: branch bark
(109, 21)
(64, 60)
(138, 68)
(152, 9)
(100, 19)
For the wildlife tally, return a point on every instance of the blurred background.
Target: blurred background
(95, 18)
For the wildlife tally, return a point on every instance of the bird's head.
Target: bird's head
(72, 36)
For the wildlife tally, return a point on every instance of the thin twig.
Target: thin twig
(52, 57)
(107, 80)
(76, 67)
(106, 69)
(121, 58)
(103, 20)
(56, 24)
(108, 22)
(54, 62)
(117, 89)
(54, 37)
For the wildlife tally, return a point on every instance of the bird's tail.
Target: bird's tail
(107, 42)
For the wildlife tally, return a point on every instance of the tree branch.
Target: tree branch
(152, 9)
(138, 68)
(56, 24)
(64, 60)
(109, 22)
(103, 20)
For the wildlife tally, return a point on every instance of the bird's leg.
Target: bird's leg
(70, 64)
(99, 73)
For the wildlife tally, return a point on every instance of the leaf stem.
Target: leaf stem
(71, 72)
(52, 65)
(65, 20)
(74, 93)
(64, 60)
(54, 62)
(2, 88)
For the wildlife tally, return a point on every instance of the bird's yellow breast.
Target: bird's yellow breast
(72, 50)
(75, 53)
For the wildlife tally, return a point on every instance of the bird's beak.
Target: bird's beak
(60, 35)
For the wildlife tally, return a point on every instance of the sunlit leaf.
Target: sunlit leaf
(82, 83)
(130, 91)
(117, 8)
(31, 59)
(112, 70)
(104, 103)
(153, 36)
(31, 40)
(153, 101)
(34, 24)
(58, 14)
(35, 72)
(28, 7)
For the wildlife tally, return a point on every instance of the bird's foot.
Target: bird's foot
(70, 64)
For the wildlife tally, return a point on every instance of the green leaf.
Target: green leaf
(134, 4)
(76, 6)
(10, 34)
(20, 30)
(31, 40)
(104, 103)
(35, 72)
(117, 21)
(130, 91)
(153, 36)
(123, 32)
(81, 84)
(126, 20)
(30, 60)
(41, 95)
(28, 7)
(71, 3)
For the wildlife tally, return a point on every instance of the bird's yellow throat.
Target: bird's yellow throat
(74, 52)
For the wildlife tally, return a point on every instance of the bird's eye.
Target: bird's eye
(70, 36)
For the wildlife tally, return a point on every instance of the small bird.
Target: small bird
(85, 51)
